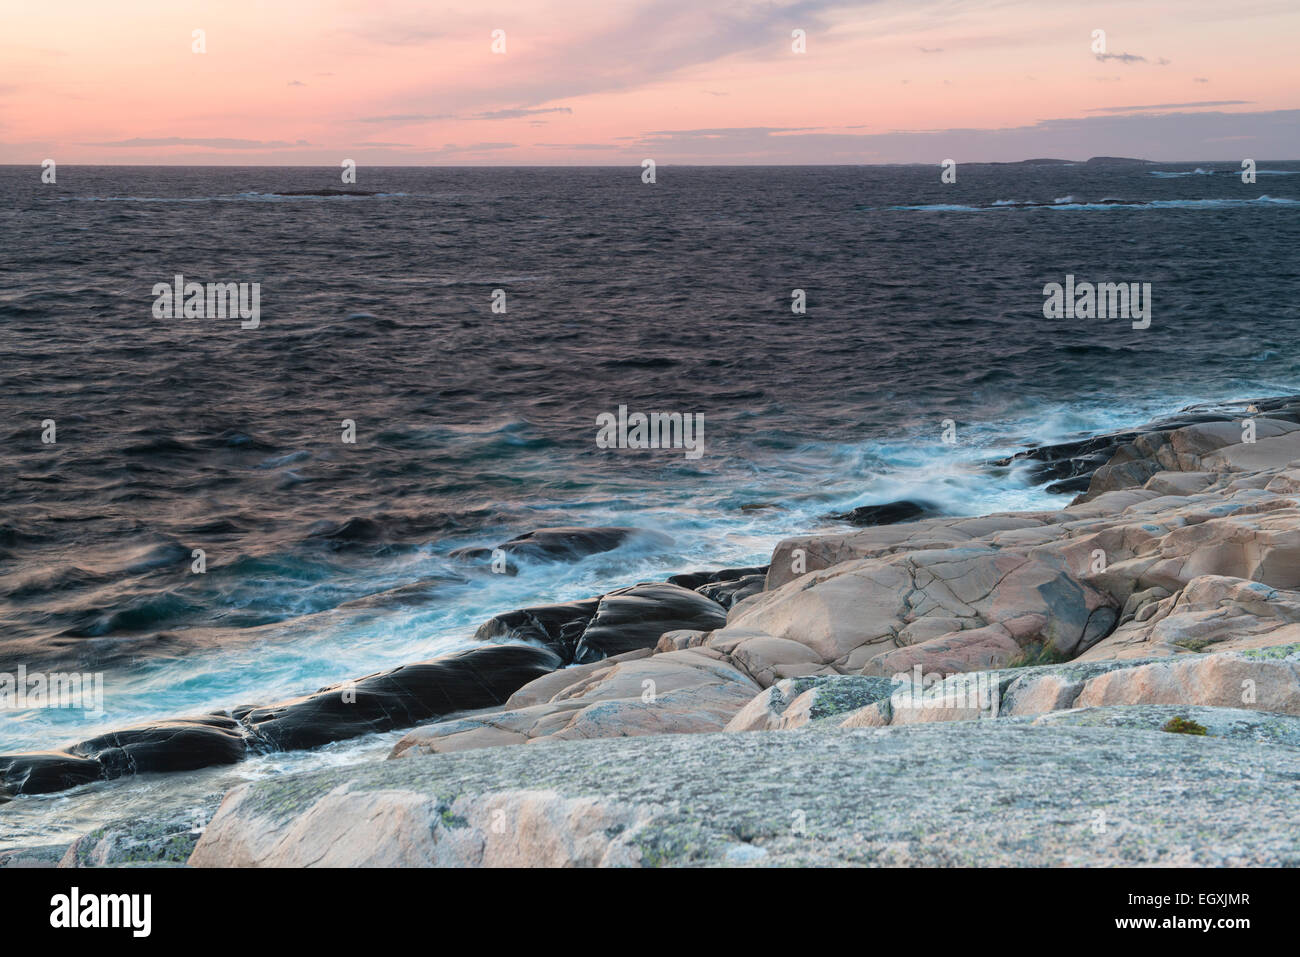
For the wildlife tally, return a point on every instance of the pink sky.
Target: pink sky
(307, 82)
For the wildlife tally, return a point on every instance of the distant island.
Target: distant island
(1094, 161)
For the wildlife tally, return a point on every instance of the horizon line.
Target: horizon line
(1046, 160)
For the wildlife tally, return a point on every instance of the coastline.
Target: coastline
(1194, 593)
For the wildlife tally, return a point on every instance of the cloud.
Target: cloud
(476, 148)
(1167, 106)
(394, 33)
(930, 49)
(516, 113)
(297, 83)
(407, 118)
(643, 43)
(1199, 79)
(213, 142)
(1167, 137)
(1121, 57)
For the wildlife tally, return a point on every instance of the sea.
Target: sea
(209, 512)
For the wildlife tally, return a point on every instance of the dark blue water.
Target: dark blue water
(924, 304)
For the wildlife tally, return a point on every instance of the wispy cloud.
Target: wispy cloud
(517, 113)
(210, 142)
(1167, 106)
(407, 118)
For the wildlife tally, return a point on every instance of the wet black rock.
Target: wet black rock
(564, 543)
(695, 579)
(1068, 466)
(404, 696)
(631, 618)
(726, 586)
(470, 680)
(889, 513)
(727, 593)
(558, 626)
(185, 744)
(623, 620)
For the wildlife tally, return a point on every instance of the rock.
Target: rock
(47, 855)
(729, 593)
(695, 580)
(987, 606)
(407, 695)
(726, 586)
(889, 513)
(558, 627)
(631, 618)
(796, 702)
(400, 829)
(679, 692)
(156, 842)
(1259, 679)
(764, 657)
(807, 554)
(543, 689)
(1234, 723)
(398, 698)
(1263, 679)
(1212, 613)
(1070, 465)
(987, 793)
(567, 543)
(180, 745)
(623, 620)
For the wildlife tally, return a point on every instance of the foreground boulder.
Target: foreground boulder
(987, 793)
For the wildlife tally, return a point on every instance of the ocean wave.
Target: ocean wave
(1069, 202)
(227, 198)
(1174, 174)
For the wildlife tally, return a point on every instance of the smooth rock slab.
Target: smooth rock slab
(989, 793)
(1217, 722)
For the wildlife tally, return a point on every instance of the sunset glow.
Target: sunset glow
(403, 83)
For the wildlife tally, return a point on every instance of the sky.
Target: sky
(608, 82)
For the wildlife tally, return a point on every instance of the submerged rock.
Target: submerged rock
(564, 543)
